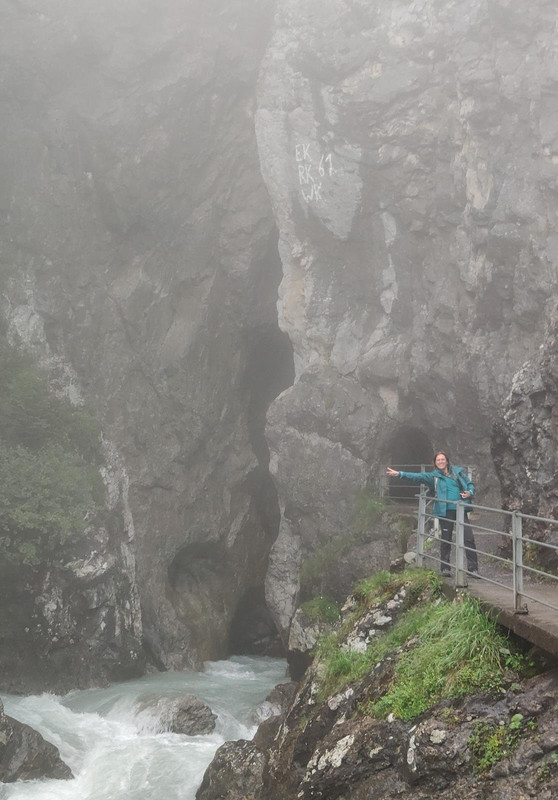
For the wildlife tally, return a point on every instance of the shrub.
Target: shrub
(490, 743)
(45, 497)
(33, 417)
(50, 485)
(321, 609)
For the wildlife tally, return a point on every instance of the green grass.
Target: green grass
(383, 584)
(459, 651)
(340, 667)
(455, 649)
(321, 609)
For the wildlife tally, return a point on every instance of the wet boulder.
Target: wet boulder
(186, 714)
(236, 773)
(25, 755)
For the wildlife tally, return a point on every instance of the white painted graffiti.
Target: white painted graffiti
(312, 169)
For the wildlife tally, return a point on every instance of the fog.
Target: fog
(251, 252)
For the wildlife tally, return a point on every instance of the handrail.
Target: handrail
(518, 543)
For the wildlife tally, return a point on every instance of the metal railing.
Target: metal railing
(515, 524)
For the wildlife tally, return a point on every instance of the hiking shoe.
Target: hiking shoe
(445, 573)
(474, 573)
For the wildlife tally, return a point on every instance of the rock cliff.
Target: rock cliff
(411, 154)
(403, 155)
(139, 266)
(524, 444)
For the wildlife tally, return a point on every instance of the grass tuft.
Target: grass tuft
(452, 649)
(459, 651)
(321, 609)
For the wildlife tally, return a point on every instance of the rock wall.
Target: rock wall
(138, 257)
(411, 154)
(524, 444)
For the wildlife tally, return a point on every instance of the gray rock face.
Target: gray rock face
(303, 637)
(75, 623)
(139, 266)
(410, 152)
(25, 755)
(525, 441)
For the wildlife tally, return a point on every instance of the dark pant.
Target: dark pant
(447, 523)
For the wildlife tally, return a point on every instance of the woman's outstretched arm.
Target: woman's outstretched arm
(417, 477)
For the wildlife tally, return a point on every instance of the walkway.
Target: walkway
(539, 625)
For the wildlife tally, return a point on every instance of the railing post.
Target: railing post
(420, 528)
(517, 544)
(460, 576)
(384, 485)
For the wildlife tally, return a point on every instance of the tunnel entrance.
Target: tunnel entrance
(410, 450)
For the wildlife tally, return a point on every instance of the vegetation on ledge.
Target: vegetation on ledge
(321, 609)
(440, 649)
(50, 485)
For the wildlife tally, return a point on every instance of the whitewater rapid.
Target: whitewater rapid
(117, 751)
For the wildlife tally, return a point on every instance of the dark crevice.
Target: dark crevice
(253, 631)
(269, 371)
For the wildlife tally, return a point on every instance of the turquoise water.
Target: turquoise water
(119, 752)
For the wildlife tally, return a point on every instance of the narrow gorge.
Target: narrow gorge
(261, 249)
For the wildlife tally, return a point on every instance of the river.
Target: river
(118, 752)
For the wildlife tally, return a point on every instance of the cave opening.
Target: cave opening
(197, 567)
(253, 630)
(410, 450)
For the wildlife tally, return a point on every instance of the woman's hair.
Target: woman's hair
(441, 453)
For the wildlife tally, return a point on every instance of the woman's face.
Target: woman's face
(441, 461)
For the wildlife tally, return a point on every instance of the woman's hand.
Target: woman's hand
(465, 495)
(393, 473)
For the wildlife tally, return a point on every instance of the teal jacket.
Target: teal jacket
(444, 487)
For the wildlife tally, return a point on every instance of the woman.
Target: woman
(449, 485)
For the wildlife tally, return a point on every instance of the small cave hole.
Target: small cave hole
(409, 450)
(198, 567)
